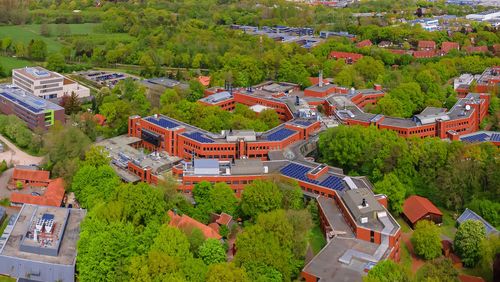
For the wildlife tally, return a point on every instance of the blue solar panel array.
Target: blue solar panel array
(333, 182)
(303, 122)
(281, 134)
(165, 123)
(198, 137)
(299, 172)
(475, 138)
(25, 105)
(495, 137)
(470, 215)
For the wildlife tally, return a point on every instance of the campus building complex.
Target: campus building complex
(240, 157)
(46, 84)
(39, 244)
(35, 111)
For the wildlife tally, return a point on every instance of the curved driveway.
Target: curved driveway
(15, 156)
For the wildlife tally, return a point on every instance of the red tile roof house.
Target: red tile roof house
(187, 224)
(204, 80)
(426, 45)
(416, 208)
(424, 54)
(31, 177)
(446, 47)
(53, 196)
(364, 43)
(348, 57)
(476, 49)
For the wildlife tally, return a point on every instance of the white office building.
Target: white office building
(46, 84)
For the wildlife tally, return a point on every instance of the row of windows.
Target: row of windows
(22, 78)
(232, 182)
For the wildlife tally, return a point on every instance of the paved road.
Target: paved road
(15, 156)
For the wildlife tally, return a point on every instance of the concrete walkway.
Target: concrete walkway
(15, 156)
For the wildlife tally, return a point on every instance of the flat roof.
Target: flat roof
(26, 100)
(326, 264)
(400, 122)
(121, 152)
(37, 73)
(66, 234)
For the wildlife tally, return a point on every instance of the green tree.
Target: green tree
(489, 210)
(468, 240)
(104, 248)
(212, 252)
(227, 272)
(37, 50)
(222, 198)
(55, 62)
(94, 184)
(440, 270)
(70, 103)
(269, 242)
(395, 191)
(44, 30)
(196, 239)
(97, 156)
(387, 271)
(171, 241)
(260, 196)
(426, 240)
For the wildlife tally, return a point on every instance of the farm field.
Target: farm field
(25, 33)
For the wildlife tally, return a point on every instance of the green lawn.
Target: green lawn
(404, 226)
(405, 256)
(25, 33)
(316, 239)
(7, 279)
(448, 226)
(76, 29)
(9, 63)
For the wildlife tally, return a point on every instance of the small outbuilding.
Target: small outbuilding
(416, 208)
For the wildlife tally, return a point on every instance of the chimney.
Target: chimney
(320, 83)
(363, 203)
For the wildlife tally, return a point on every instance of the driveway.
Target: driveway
(15, 156)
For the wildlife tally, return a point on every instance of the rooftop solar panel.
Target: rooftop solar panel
(303, 122)
(163, 122)
(21, 103)
(495, 137)
(475, 138)
(299, 172)
(470, 215)
(198, 137)
(280, 134)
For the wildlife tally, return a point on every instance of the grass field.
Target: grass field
(316, 239)
(6, 279)
(25, 33)
(9, 63)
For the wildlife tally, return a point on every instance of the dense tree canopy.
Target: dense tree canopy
(452, 174)
(468, 241)
(426, 240)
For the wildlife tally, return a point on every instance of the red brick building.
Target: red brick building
(358, 229)
(464, 118)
